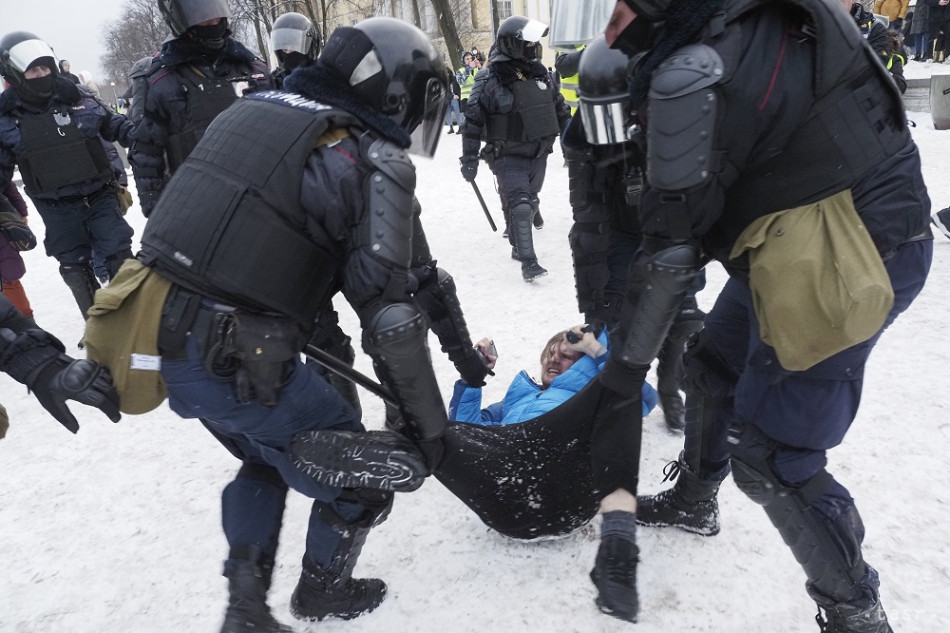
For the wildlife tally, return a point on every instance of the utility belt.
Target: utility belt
(81, 197)
(253, 351)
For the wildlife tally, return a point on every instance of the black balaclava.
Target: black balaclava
(292, 60)
(40, 89)
(211, 37)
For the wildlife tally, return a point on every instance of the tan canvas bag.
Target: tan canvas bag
(122, 333)
(818, 283)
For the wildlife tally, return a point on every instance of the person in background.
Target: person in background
(516, 109)
(198, 73)
(894, 10)
(86, 82)
(64, 71)
(56, 135)
(295, 41)
(15, 236)
(453, 116)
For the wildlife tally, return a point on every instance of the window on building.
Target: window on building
(504, 9)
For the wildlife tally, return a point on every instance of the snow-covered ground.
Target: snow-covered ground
(117, 530)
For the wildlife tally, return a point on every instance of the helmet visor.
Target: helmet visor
(425, 136)
(23, 55)
(606, 123)
(574, 22)
(289, 40)
(194, 12)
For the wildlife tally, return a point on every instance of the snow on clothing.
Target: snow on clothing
(525, 399)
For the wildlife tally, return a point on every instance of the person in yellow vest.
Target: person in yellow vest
(466, 76)
(566, 65)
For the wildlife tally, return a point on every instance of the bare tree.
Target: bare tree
(138, 33)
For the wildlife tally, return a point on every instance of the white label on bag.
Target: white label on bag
(146, 362)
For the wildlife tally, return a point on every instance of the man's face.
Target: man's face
(558, 360)
(621, 18)
(66, 67)
(35, 72)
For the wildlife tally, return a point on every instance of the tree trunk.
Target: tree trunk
(443, 13)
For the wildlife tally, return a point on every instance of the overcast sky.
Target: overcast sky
(74, 29)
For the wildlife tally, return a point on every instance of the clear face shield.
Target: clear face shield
(29, 51)
(425, 136)
(289, 40)
(197, 11)
(575, 22)
(607, 122)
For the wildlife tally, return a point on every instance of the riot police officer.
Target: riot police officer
(295, 42)
(194, 77)
(56, 135)
(317, 184)
(515, 106)
(767, 124)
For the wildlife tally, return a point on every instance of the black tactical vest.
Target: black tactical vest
(856, 120)
(205, 98)
(533, 116)
(54, 152)
(229, 224)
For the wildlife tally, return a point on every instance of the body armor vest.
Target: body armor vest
(532, 117)
(55, 153)
(205, 98)
(855, 121)
(231, 226)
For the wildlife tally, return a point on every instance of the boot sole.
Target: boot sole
(376, 459)
(690, 529)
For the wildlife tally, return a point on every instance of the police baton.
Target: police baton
(481, 200)
(339, 367)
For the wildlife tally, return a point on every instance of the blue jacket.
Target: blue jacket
(526, 400)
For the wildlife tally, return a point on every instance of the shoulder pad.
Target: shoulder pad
(145, 67)
(688, 69)
(391, 160)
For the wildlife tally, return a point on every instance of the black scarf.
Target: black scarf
(64, 91)
(328, 86)
(685, 19)
(184, 50)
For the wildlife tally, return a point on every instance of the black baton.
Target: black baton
(481, 200)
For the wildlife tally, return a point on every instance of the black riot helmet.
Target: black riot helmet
(295, 32)
(518, 37)
(604, 99)
(392, 66)
(20, 51)
(183, 16)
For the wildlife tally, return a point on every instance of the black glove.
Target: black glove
(469, 167)
(36, 359)
(14, 228)
(472, 370)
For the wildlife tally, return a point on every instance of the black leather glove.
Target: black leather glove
(36, 359)
(469, 167)
(15, 229)
(472, 370)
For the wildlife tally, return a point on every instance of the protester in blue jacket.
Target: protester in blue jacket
(565, 369)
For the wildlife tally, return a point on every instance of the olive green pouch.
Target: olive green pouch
(122, 333)
(818, 283)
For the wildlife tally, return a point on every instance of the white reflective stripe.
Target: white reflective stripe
(368, 66)
(533, 31)
(27, 52)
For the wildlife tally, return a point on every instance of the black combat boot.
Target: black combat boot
(522, 213)
(868, 617)
(615, 574)
(674, 411)
(333, 592)
(690, 504)
(248, 581)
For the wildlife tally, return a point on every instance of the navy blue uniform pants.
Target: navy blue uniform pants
(253, 504)
(806, 412)
(76, 226)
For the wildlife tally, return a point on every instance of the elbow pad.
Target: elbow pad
(387, 228)
(396, 340)
(656, 290)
